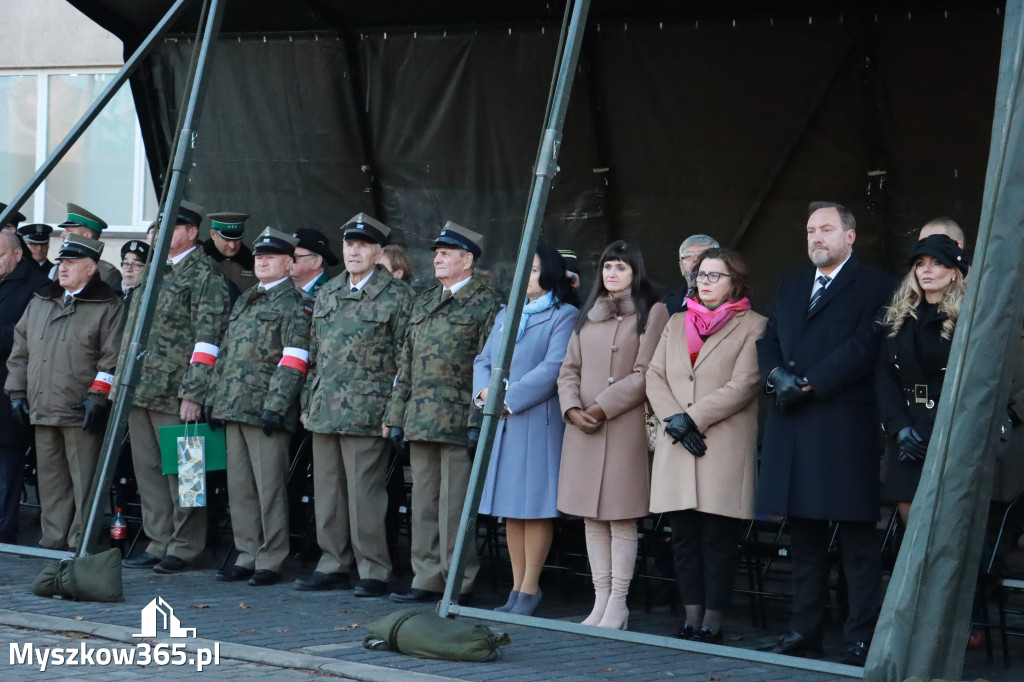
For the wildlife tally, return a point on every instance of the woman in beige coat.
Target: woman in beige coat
(703, 381)
(605, 472)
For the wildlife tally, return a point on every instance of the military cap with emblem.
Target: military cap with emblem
(273, 241)
(35, 233)
(316, 241)
(80, 217)
(231, 226)
(76, 246)
(363, 228)
(456, 236)
(14, 218)
(137, 247)
(188, 214)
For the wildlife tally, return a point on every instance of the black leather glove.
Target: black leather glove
(678, 425)
(694, 443)
(19, 408)
(789, 391)
(397, 436)
(271, 421)
(214, 424)
(95, 419)
(472, 440)
(912, 447)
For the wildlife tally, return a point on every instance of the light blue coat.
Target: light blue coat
(522, 479)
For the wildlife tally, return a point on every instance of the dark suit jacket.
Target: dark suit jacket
(819, 460)
(15, 292)
(676, 301)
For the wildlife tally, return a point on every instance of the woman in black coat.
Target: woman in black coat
(919, 330)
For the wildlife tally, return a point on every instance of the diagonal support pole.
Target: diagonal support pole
(140, 54)
(566, 60)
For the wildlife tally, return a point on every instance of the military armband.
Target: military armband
(102, 382)
(296, 358)
(205, 354)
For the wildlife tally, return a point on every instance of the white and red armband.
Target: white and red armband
(296, 358)
(102, 382)
(205, 354)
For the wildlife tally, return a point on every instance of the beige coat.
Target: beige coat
(719, 393)
(606, 474)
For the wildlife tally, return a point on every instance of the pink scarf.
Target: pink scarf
(702, 323)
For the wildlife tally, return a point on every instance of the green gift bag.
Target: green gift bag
(216, 451)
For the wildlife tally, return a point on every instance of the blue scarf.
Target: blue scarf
(531, 308)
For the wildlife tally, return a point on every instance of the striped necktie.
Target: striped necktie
(823, 281)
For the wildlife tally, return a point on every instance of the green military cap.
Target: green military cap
(274, 241)
(228, 225)
(456, 236)
(75, 246)
(35, 233)
(79, 217)
(363, 228)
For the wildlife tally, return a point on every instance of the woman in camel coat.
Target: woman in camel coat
(605, 472)
(703, 381)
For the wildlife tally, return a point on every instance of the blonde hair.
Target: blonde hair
(909, 295)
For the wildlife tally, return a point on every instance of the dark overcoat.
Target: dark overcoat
(15, 292)
(820, 459)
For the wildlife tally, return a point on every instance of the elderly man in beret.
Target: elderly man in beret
(134, 256)
(61, 371)
(254, 397)
(184, 342)
(430, 407)
(311, 255)
(359, 323)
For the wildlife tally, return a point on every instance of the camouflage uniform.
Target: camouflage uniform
(191, 309)
(356, 339)
(261, 368)
(432, 401)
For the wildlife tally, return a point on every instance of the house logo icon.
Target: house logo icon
(158, 611)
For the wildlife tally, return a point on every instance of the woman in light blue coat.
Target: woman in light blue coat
(522, 479)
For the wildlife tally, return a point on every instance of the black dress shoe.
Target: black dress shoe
(368, 587)
(855, 653)
(705, 635)
(234, 574)
(685, 632)
(416, 596)
(794, 644)
(144, 560)
(322, 581)
(263, 577)
(170, 565)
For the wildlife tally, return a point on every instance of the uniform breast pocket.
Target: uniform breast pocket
(174, 301)
(465, 330)
(269, 324)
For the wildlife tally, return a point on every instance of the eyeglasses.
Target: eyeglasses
(711, 277)
(307, 255)
(131, 266)
(687, 255)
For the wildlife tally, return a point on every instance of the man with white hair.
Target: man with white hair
(692, 246)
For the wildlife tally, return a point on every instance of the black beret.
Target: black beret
(315, 241)
(943, 249)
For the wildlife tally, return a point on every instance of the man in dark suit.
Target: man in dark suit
(20, 277)
(820, 456)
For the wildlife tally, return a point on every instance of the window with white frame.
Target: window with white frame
(105, 171)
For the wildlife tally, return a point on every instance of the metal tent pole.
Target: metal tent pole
(147, 46)
(926, 616)
(127, 375)
(567, 57)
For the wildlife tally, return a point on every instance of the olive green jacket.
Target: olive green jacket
(252, 373)
(432, 397)
(191, 308)
(353, 357)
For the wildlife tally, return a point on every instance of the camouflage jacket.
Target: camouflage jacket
(353, 354)
(64, 352)
(263, 357)
(431, 399)
(191, 309)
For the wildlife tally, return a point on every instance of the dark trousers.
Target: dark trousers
(862, 564)
(706, 552)
(12, 471)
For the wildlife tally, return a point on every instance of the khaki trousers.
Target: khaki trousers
(172, 530)
(258, 495)
(351, 503)
(440, 478)
(66, 457)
